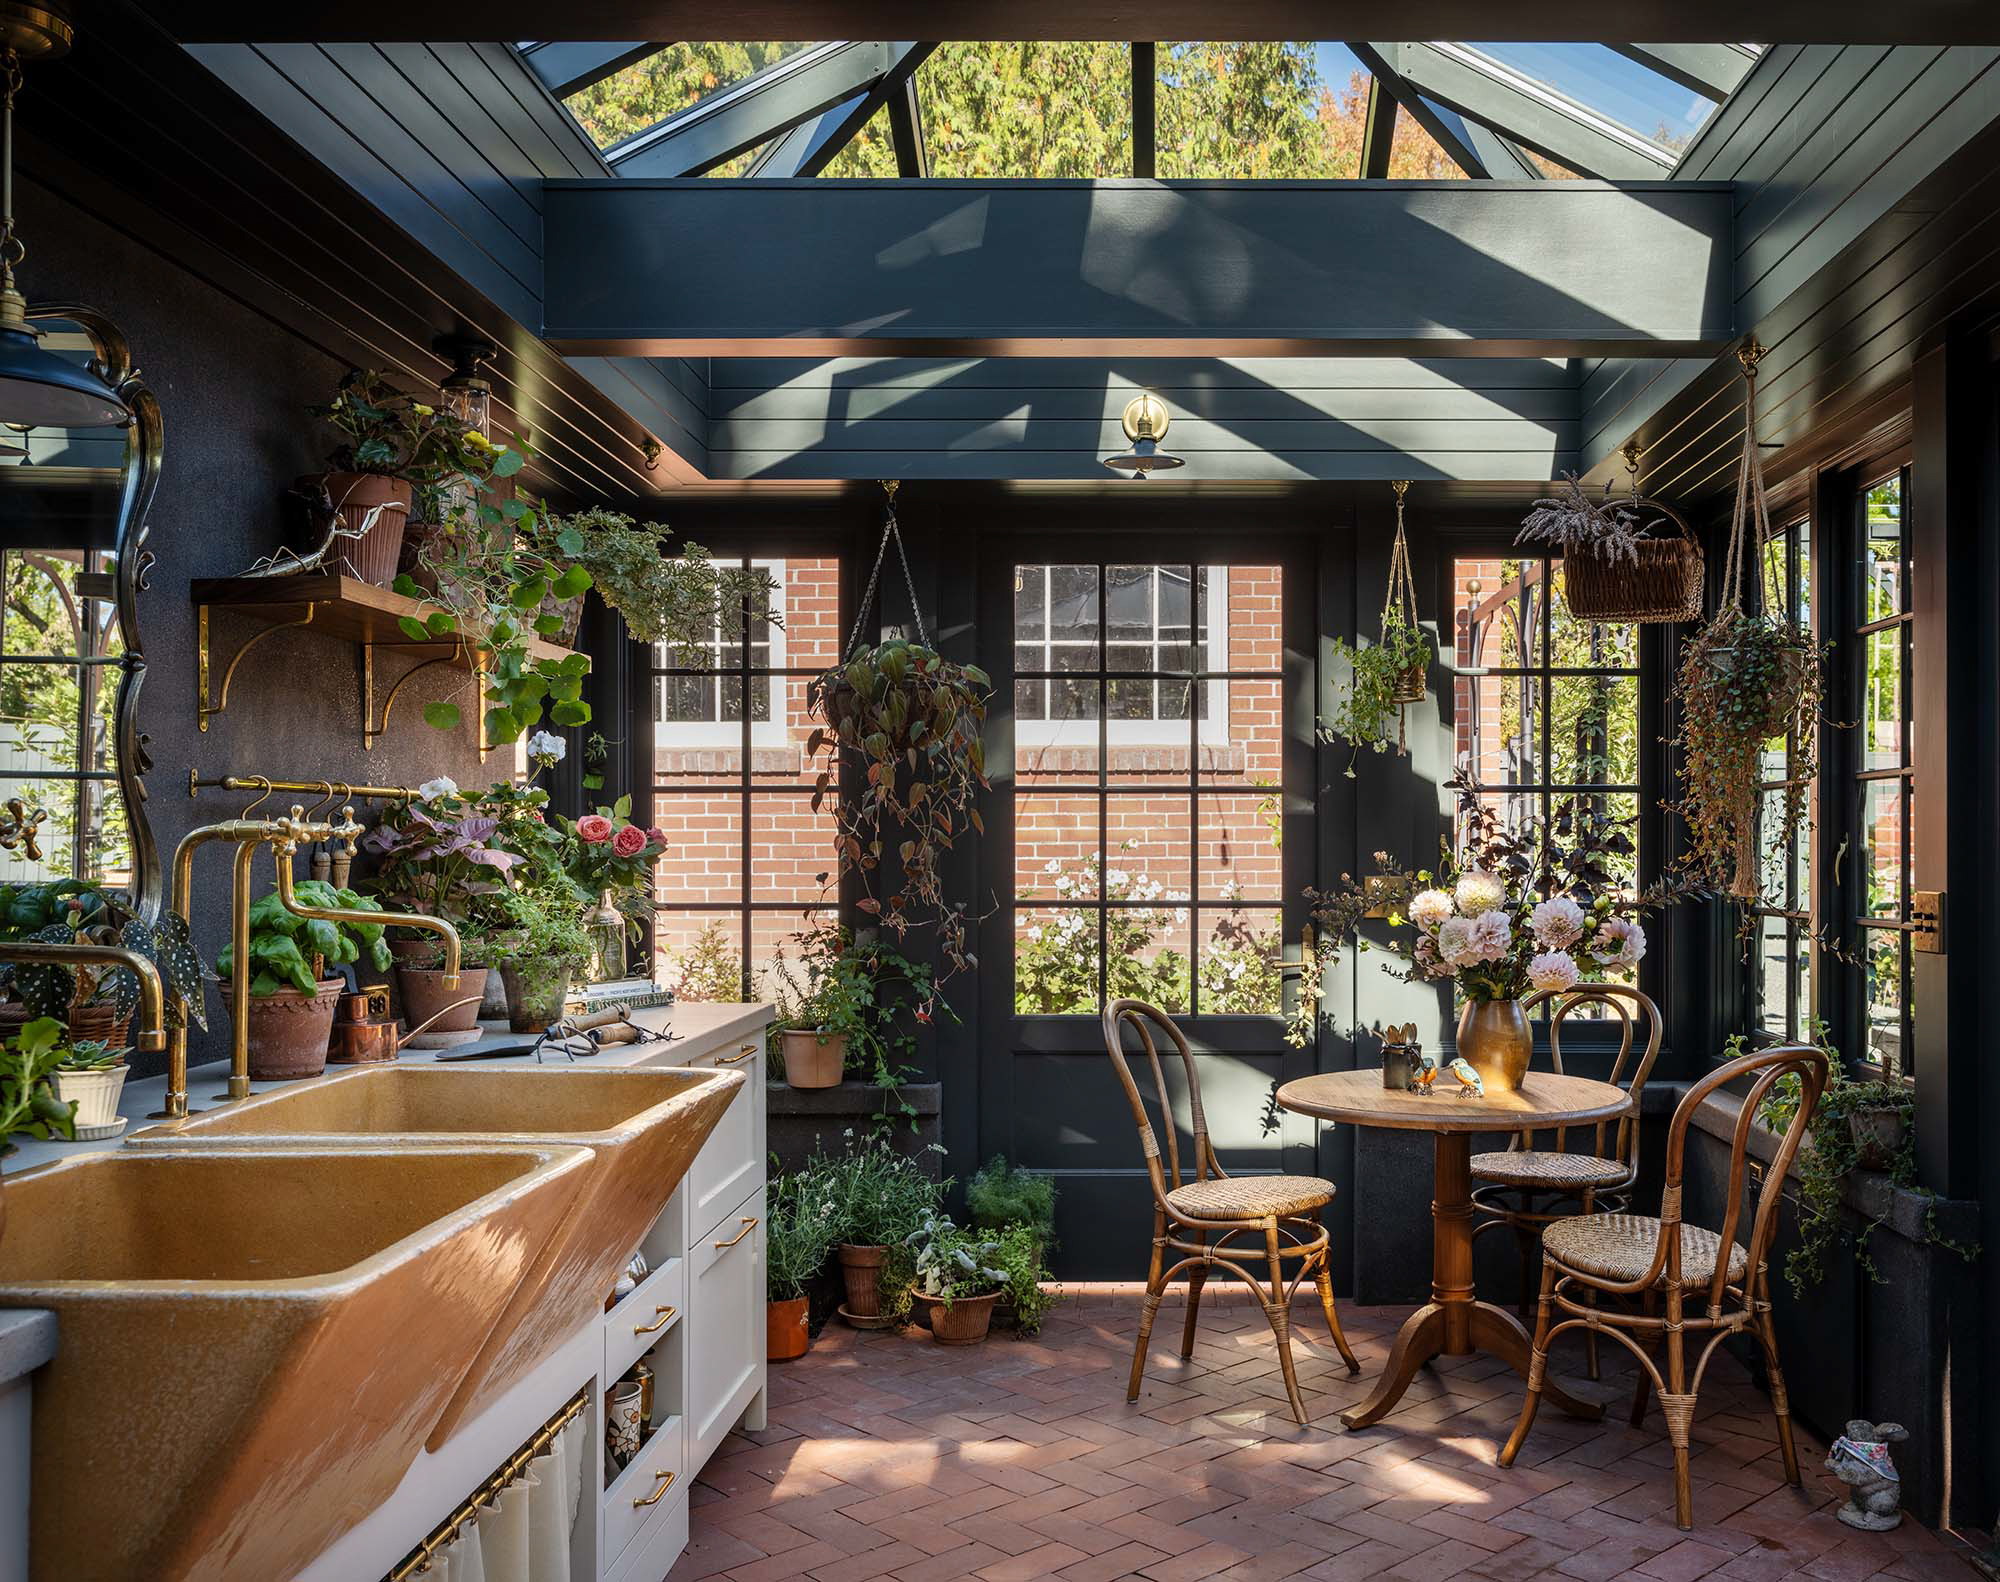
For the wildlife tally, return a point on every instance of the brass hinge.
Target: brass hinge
(1927, 921)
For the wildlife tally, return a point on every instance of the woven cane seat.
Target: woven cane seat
(1250, 1197)
(1546, 1171)
(1620, 1247)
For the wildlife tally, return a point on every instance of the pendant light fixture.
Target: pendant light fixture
(1145, 423)
(38, 389)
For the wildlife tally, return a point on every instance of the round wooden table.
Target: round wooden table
(1454, 1323)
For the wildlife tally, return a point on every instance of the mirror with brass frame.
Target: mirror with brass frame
(73, 561)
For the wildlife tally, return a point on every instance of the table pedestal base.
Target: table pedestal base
(1453, 1323)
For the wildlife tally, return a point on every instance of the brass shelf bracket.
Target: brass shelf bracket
(372, 729)
(203, 708)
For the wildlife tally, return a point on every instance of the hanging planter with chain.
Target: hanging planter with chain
(1390, 674)
(1750, 676)
(912, 721)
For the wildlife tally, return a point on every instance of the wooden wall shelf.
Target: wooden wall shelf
(347, 608)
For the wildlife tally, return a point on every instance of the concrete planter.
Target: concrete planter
(800, 1120)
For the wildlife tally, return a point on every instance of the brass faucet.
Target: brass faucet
(288, 899)
(152, 997)
(247, 834)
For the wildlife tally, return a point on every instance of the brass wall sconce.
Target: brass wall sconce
(1145, 423)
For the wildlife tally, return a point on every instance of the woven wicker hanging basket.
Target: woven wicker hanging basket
(1662, 582)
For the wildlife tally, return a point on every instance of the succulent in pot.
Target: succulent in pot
(89, 1075)
(292, 998)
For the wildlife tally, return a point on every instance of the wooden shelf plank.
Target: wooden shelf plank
(343, 606)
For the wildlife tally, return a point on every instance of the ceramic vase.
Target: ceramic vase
(1495, 1040)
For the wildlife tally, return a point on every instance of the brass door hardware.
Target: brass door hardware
(748, 1052)
(662, 1481)
(1927, 921)
(666, 1317)
(749, 1224)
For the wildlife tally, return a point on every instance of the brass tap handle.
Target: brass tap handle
(662, 1481)
(666, 1317)
(749, 1224)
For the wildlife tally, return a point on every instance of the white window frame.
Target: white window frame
(772, 732)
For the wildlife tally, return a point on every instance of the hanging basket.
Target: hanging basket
(1663, 582)
(1412, 685)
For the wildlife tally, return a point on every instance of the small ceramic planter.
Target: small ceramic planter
(861, 1269)
(535, 997)
(964, 1322)
(787, 1334)
(96, 1096)
(813, 1059)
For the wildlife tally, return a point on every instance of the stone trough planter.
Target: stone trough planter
(799, 1120)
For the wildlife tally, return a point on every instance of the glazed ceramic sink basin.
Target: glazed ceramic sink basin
(254, 1343)
(643, 1126)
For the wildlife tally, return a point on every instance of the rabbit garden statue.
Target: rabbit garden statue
(1860, 1459)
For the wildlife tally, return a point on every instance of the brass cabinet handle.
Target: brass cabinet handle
(749, 1052)
(665, 1480)
(749, 1225)
(666, 1317)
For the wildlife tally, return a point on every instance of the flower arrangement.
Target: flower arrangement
(612, 853)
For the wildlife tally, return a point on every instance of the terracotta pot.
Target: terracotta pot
(95, 1092)
(786, 1333)
(964, 1322)
(415, 950)
(535, 997)
(861, 1268)
(372, 557)
(424, 996)
(1495, 1040)
(289, 1031)
(813, 1059)
(1878, 1137)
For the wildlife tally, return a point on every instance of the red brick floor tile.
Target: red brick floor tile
(885, 1459)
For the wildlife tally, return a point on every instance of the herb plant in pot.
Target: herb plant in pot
(542, 946)
(827, 1010)
(879, 1199)
(27, 1106)
(1001, 1197)
(798, 1234)
(958, 1279)
(292, 1000)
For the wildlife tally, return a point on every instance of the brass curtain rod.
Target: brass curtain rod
(420, 1558)
(303, 787)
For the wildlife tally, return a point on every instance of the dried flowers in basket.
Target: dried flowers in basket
(1615, 569)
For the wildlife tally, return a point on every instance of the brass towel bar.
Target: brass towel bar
(419, 1559)
(339, 788)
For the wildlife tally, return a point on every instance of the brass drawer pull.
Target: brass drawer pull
(748, 1226)
(665, 1480)
(666, 1317)
(749, 1052)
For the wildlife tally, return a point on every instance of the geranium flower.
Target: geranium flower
(1429, 908)
(628, 842)
(1618, 942)
(442, 786)
(593, 828)
(1553, 970)
(1557, 924)
(1478, 892)
(545, 747)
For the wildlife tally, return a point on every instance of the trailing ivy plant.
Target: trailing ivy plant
(1833, 1155)
(911, 722)
(1367, 714)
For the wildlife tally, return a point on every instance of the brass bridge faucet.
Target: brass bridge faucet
(347, 829)
(152, 1032)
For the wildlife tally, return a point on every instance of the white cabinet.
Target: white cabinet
(725, 1329)
(730, 1165)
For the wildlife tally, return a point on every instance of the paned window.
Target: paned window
(1884, 800)
(1781, 985)
(1148, 757)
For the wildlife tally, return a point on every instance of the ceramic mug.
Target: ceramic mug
(624, 1420)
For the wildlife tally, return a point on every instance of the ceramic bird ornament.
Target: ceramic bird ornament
(1427, 1071)
(1469, 1085)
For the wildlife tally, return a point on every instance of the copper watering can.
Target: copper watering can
(364, 1033)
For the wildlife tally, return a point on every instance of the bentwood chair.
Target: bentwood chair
(1528, 1187)
(1708, 1282)
(1197, 1221)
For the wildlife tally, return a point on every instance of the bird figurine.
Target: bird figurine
(1427, 1071)
(1469, 1084)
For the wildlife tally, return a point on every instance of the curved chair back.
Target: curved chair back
(1637, 1014)
(1164, 1170)
(1765, 1069)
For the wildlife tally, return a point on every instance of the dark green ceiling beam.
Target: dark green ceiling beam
(1453, 269)
(1710, 69)
(1525, 111)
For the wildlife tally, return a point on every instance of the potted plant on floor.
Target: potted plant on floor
(292, 999)
(799, 1232)
(1001, 1198)
(958, 1279)
(880, 1198)
(88, 1076)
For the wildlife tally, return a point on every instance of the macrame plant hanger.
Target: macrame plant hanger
(1401, 600)
(891, 534)
(1750, 520)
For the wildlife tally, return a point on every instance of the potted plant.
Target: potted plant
(827, 1010)
(798, 1233)
(666, 596)
(1613, 569)
(95, 1002)
(879, 1198)
(911, 721)
(1003, 1198)
(292, 998)
(1389, 675)
(958, 1279)
(368, 483)
(1019, 1253)
(88, 1076)
(27, 1107)
(542, 945)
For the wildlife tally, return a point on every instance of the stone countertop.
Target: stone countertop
(693, 1027)
(27, 1340)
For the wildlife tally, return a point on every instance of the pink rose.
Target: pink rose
(658, 837)
(594, 828)
(628, 842)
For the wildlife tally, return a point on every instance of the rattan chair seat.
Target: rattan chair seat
(1537, 1167)
(1620, 1247)
(1250, 1197)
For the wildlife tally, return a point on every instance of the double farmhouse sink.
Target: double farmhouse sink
(268, 1311)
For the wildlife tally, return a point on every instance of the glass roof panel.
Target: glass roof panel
(666, 82)
(869, 152)
(1599, 78)
(1042, 109)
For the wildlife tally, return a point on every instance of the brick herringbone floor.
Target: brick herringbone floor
(889, 1456)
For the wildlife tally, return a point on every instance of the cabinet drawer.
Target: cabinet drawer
(725, 1329)
(647, 1491)
(635, 1325)
(730, 1165)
